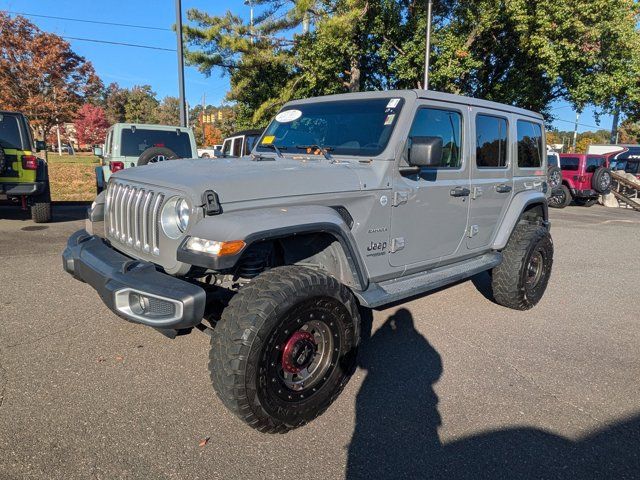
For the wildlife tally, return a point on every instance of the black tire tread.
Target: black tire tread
(238, 330)
(505, 280)
(41, 212)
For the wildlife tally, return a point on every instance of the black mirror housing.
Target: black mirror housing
(425, 151)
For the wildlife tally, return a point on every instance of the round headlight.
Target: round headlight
(174, 217)
(182, 211)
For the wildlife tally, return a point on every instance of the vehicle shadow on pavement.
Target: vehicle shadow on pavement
(397, 420)
(60, 212)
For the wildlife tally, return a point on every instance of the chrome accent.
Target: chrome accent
(133, 216)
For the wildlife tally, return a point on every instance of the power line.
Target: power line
(580, 124)
(136, 45)
(128, 25)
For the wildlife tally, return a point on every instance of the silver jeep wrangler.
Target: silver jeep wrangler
(347, 202)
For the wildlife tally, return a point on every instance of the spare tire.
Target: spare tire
(554, 177)
(155, 155)
(3, 160)
(601, 181)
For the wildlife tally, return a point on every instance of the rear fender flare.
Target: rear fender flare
(519, 204)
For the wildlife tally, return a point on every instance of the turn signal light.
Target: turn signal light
(29, 162)
(116, 166)
(211, 247)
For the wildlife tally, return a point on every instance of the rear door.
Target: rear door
(491, 176)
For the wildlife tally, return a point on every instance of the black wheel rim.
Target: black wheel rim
(535, 269)
(605, 181)
(557, 198)
(554, 180)
(303, 351)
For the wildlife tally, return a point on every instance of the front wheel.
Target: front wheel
(560, 198)
(284, 348)
(521, 279)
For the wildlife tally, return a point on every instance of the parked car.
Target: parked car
(240, 143)
(134, 144)
(210, 152)
(347, 202)
(24, 178)
(584, 178)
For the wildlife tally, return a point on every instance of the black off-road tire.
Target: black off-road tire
(41, 207)
(3, 161)
(151, 152)
(560, 198)
(601, 181)
(509, 279)
(554, 177)
(246, 337)
(41, 212)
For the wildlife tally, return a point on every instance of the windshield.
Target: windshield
(349, 127)
(10, 132)
(136, 142)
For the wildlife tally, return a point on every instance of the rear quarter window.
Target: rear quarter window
(593, 163)
(529, 144)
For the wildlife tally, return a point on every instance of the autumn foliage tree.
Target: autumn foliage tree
(40, 75)
(91, 125)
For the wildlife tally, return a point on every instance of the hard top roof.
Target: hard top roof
(423, 94)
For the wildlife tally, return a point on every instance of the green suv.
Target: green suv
(24, 178)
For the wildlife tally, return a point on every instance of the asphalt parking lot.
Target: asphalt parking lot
(449, 385)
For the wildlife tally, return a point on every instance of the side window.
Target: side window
(446, 124)
(570, 164)
(529, 144)
(593, 163)
(226, 147)
(237, 146)
(491, 142)
(107, 144)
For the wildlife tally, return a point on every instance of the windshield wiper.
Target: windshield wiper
(323, 150)
(277, 149)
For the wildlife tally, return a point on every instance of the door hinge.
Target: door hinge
(400, 197)
(472, 231)
(397, 244)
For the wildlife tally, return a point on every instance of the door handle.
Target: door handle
(503, 188)
(459, 192)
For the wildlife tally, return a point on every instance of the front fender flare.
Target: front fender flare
(519, 203)
(253, 226)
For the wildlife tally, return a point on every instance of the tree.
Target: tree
(91, 125)
(41, 76)
(115, 103)
(168, 112)
(527, 53)
(142, 105)
(212, 135)
(629, 132)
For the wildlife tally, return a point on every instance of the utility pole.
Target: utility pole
(250, 3)
(427, 55)
(204, 127)
(575, 131)
(183, 107)
(614, 127)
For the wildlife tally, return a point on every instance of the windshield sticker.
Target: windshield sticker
(268, 140)
(288, 116)
(389, 119)
(393, 103)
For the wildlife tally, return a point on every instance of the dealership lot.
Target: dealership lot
(449, 384)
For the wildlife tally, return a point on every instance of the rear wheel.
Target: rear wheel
(521, 279)
(41, 207)
(284, 348)
(560, 198)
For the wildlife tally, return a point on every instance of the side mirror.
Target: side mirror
(425, 151)
(40, 145)
(97, 151)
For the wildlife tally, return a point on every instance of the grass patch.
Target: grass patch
(73, 177)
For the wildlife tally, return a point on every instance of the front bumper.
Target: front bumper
(119, 280)
(26, 188)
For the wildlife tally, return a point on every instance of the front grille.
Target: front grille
(133, 215)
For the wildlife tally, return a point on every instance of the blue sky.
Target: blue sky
(133, 66)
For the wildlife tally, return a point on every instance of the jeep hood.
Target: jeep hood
(240, 179)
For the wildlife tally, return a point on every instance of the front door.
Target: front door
(430, 208)
(491, 177)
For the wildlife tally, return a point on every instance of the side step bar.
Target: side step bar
(400, 288)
